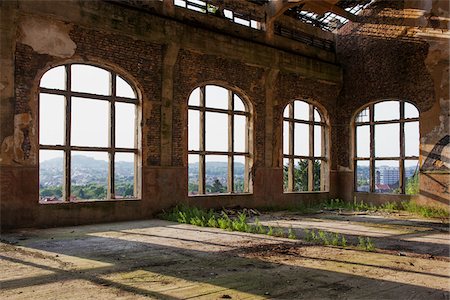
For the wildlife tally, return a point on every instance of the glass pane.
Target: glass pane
(181, 3)
(228, 13)
(300, 175)
(193, 174)
(363, 116)
(286, 111)
(301, 139)
(216, 97)
(363, 141)
(387, 176)
(123, 89)
(362, 176)
(194, 98)
(90, 79)
(90, 122)
(387, 140)
(411, 177)
(89, 175)
(301, 110)
(51, 172)
(238, 104)
(412, 139)
(193, 129)
(239, 169)
(239, 133)
(51, 119)
(125, 125)
(242, 21)
(387, 110)
(317, 140)
(285, 174)
(216, 174)
(317, 117)
(54, 79)
(317, 173)
(411, 111)
(124, 175)
(216, 131)
(285, 137)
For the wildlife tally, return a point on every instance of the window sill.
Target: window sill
(387, 194)
(219, 195)
(308, 192)
(89, 201)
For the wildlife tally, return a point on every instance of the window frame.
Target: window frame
(111, 149)
(372, 158)
(311, 157)
(230, 153)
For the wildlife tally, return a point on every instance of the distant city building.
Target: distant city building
(387, 175)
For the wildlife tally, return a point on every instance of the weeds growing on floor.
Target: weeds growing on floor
(209, 218)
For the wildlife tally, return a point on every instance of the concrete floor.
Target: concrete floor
(164, 260)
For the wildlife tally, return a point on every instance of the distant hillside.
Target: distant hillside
(217, 168)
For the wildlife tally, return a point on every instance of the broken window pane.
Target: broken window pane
(51, 119)
(194, 98)
(411, 111)
(51, 175)
(300, 175)
(193, 129)
(123, 89)
(363, 176)
(412, 139)
(216, 175)
(317, 175)
(240, 133)
(238, 104)
(54, 78)
(124, 175)
(193, 161)
(285, 174)
(387, 140)
(90, 79)
(90, 121)
(89, 175)
(411, 177)
(387, 176)
(387, 110)
(216, 131)
(363, 141)
(301, 110)
(216, 97)
(317, 140)
(239, 169)
(301, 139)
(286, 138)
(125, 125)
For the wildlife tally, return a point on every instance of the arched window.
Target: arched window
(88, 141)
(218, 148)
(304, 148)
(387, 148)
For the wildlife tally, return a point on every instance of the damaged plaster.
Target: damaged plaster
(11, 148)
(47, 37)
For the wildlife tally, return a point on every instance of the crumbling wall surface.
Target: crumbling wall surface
(399, 51)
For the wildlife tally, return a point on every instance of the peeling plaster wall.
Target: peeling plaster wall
(401, 51)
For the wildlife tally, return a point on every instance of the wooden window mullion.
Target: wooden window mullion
(402, 179)
(291, 149)
(68, 125)
(202, 135)
(112, 139)
(372, 148)
(230, 183)
(311, 150)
